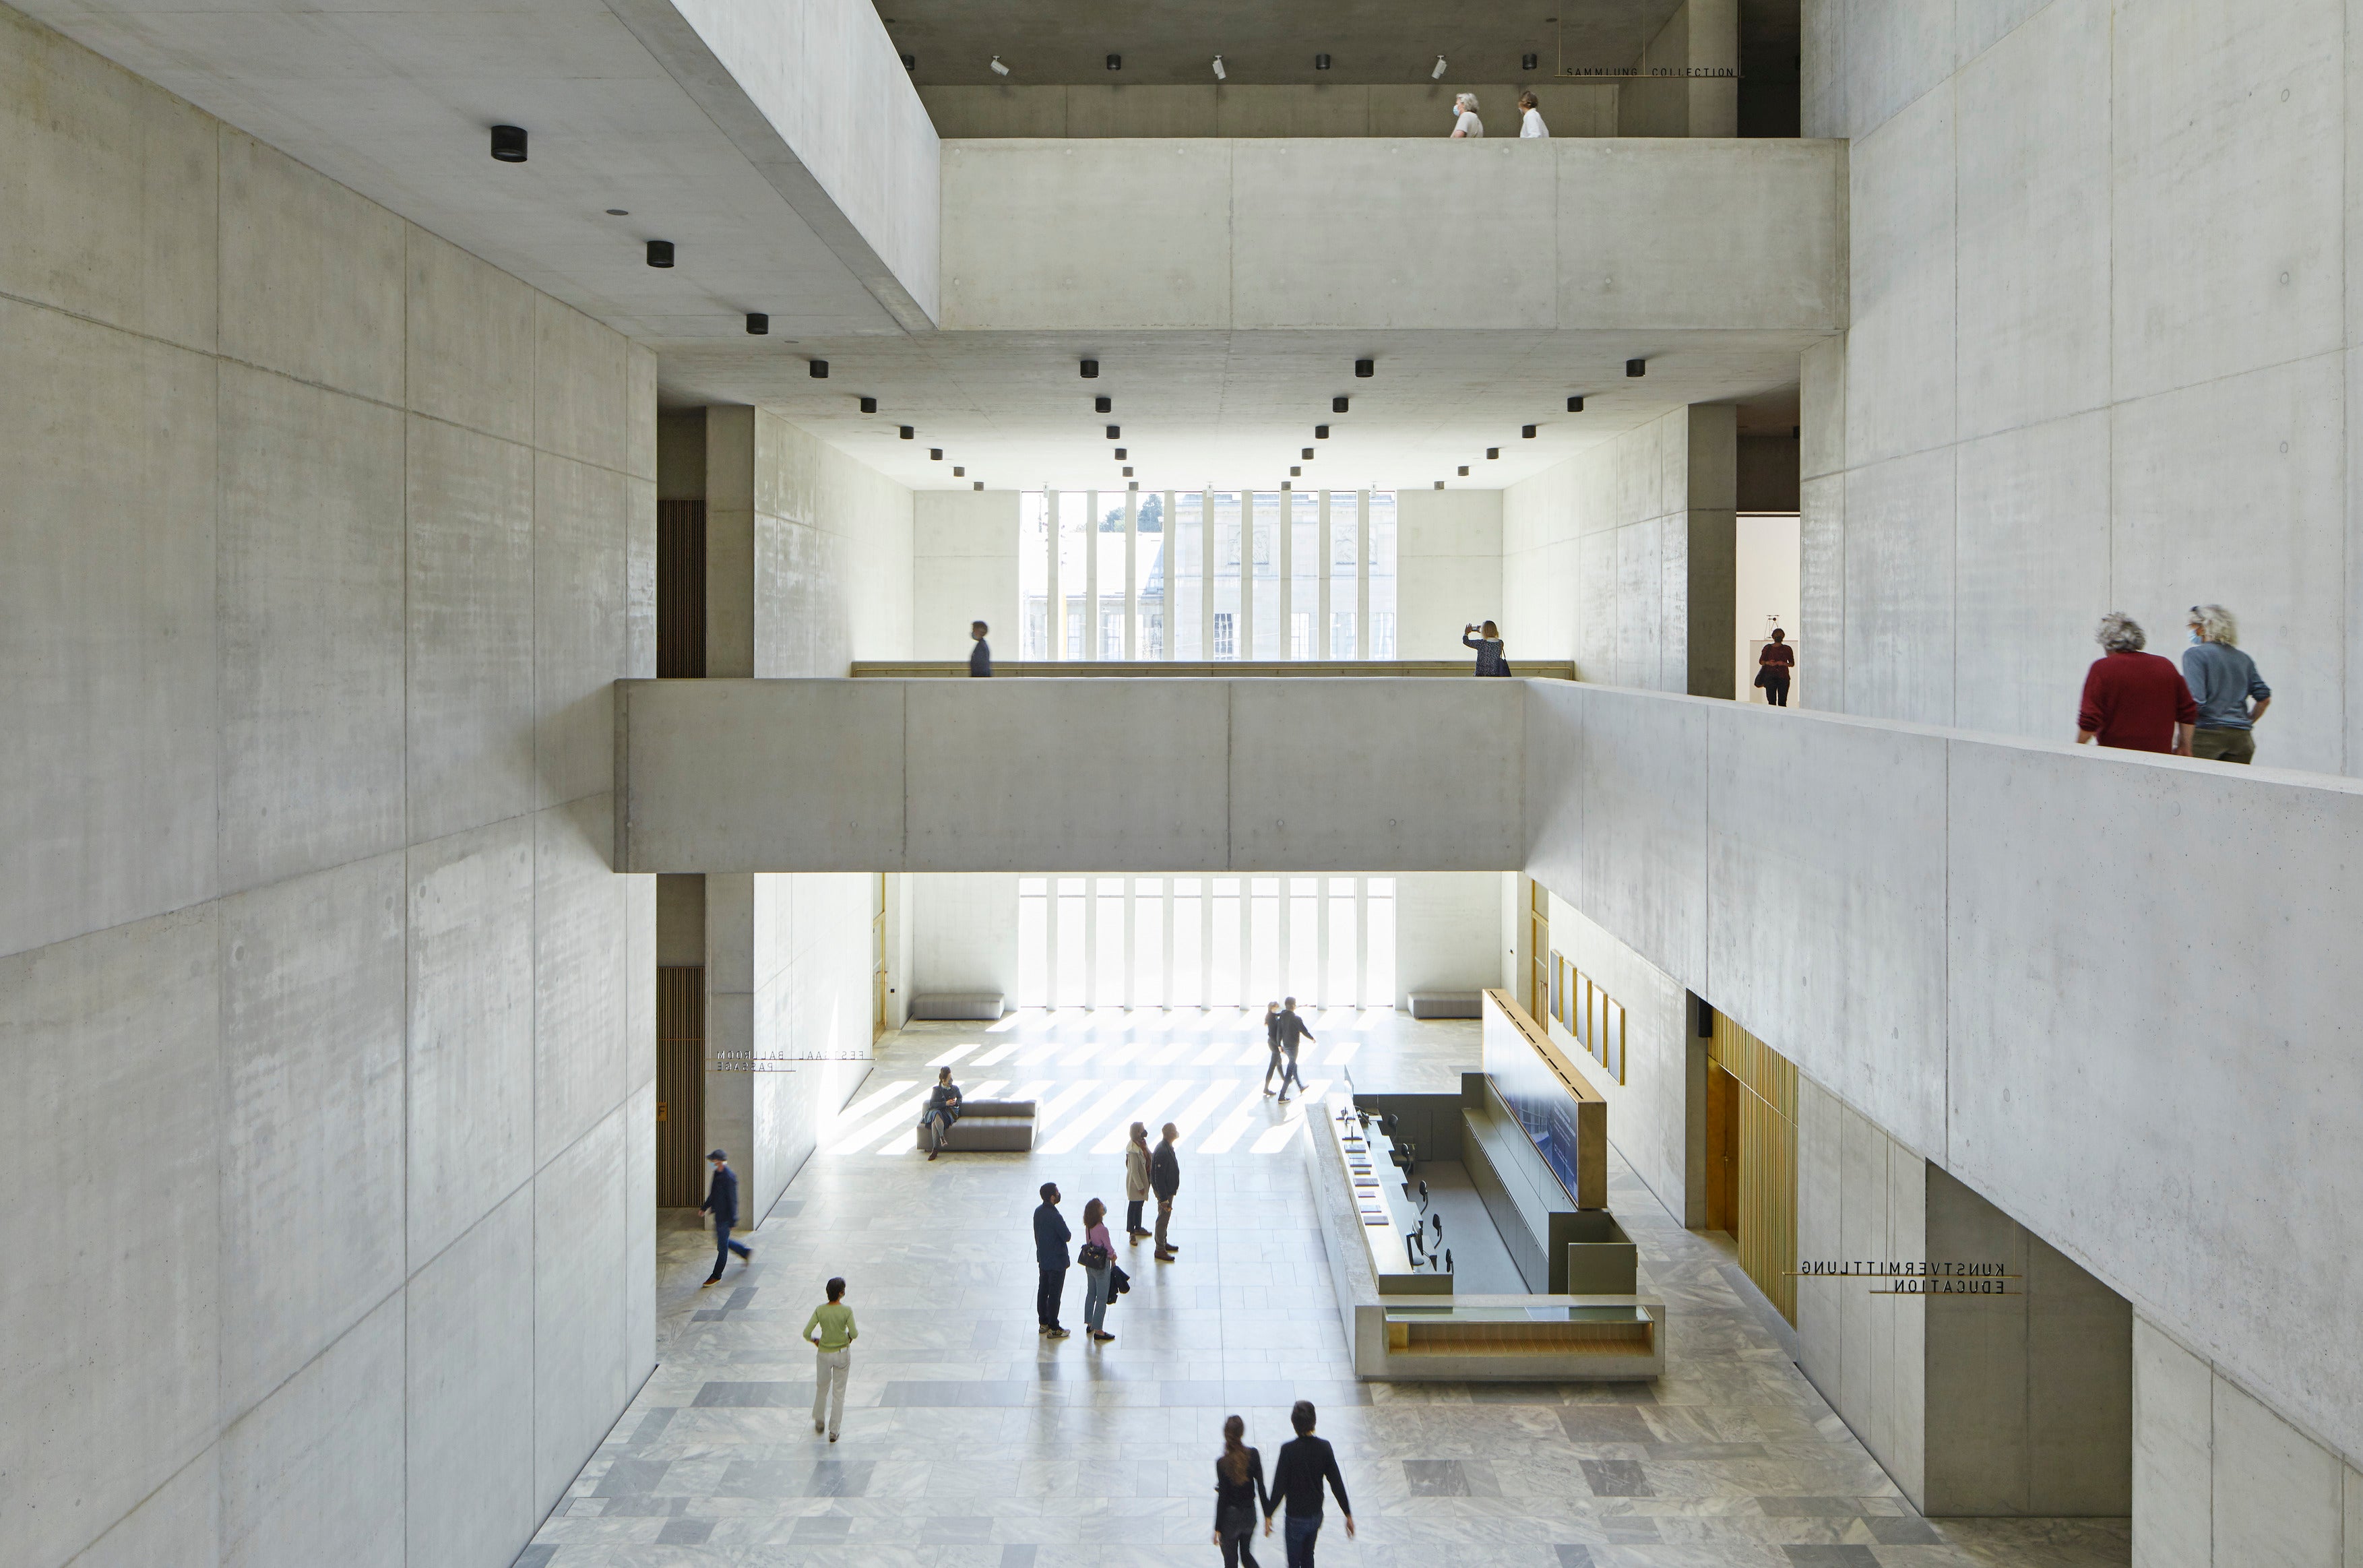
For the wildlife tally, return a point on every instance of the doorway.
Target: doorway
(681, 1086)
(1768, 585)
(1751, 1148)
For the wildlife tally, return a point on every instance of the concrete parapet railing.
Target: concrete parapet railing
(1222, 669)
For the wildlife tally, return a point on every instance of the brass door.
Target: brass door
(1762, 1101)
(681, 1086)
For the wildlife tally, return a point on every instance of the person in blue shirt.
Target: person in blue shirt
(980, 658)
(722, 1202)
(1051, 1238)
(2221, 680)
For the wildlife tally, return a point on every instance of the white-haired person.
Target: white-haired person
(2132, 700)
(2221, 680)
(1465, 122)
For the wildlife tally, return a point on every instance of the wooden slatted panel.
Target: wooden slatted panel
(1767, 1109)
(680, 589)
(681, 1086)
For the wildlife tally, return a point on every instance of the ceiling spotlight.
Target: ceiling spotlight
(1365, 369)
(935, 454)
(1292, 473)
(1575, 405)
(1115, 62)
(980, 484)
(1439, 485)
(1119, 454)
(1464, 471)
(910, 63)
(1135, 484)
(999, 69)
(617, 212)
(1492, 452)
(660, 252)
(1127, 473)
(1103, 404)
(1527, 433)
(509, 143)
(1220, 75)
(1637, 367)
(960, 473)
(1115, 432)
(869, 406)
(1528, 61)
(1320, 432)
(909, 433)
(818, 370)
(1437, 74)
(1308, 454)
(1337, 406)
(1320, 62)
(1091, 369)
(758, 324)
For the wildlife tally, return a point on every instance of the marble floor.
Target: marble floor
(970, 1442)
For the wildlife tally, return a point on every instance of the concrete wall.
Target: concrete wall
(964, 933)
(964, 568)
(1447, 932)
(1623, 558)
(1447, 570)
(2063, 393)
(2220, 1480)
(1226, 109)
(1982, 945)
(1656, 1116)
(330, 1138)
(1701, 36)
(1208, 234)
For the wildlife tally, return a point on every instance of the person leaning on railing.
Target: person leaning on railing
(1489, 648)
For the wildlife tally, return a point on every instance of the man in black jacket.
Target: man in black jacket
(1050, 1238)
(980, 658)
(1165, 1180)
(1289, 1031)
(1305, 1465)
(722, 1202)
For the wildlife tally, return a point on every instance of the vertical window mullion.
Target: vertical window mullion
(1287, 573)
(1054, 617)
(1092, 584)
(1362, 589)
(1131, 600)
(1324, 645)
(1361, 941)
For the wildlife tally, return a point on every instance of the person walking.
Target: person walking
(1296, 1480)
(1530, 119)
(1136, 1182)
(1051, 1238)
(2222, 679)
(943, 1109)
(831, 1333)
(1773, 666)
(1293, 1033)
(1165, 1180)
(2132, 700)
(1099, 1268)
(1271, 1039)
(980, 658)
(1465, 123)
(1239, 1493)
(1489, 648)
(722, 1203)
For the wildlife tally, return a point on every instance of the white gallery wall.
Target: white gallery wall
(1447, 570)
(964, 568)
(330, 1140)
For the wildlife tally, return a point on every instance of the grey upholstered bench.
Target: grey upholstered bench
(989, 1126)
(982, 1006)
(1445, 1004)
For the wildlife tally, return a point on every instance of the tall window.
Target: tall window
(1034, 573)
(1225, 648)
(1300, 634)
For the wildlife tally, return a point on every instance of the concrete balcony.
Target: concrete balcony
(1567, 235)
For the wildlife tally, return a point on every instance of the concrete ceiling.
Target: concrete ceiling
(1260, 41)
(1231, 409)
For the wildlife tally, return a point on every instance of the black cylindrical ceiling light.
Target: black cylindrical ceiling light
(1366, 368)
(758, 324)
(1464, 471)
(1115, 432)
(1439, 485)
(660, 252)
(1575, 405)
(1115, 62)
(1637, 367)
(1307, 454)
(960, 473)
(1293, 473)
(935, 454)
(1091, 369)
(1119, 454)
(910, 63)
(869, 406)
(1320, 432)
(1103, 404)
(1337, 406)
(1320, 62)
(1135, 484)
(1127, 473)
(909, 433)
(979, 484)
(1528, 61)
(1527, 433)
(1284, 484)
(818, 370)
(509, 143)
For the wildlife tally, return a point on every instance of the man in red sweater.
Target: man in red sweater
(2132, 699)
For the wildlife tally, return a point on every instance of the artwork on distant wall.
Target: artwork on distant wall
(1591, 1014)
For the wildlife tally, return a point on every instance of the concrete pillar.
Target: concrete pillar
(1709, 550)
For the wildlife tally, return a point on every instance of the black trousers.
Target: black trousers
(1776, 690)
(1132, 1215)
(1235, 1548)
(1046, 1299)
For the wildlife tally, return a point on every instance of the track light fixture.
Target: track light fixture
(758, 324)
(1637, 367)
(1575, 405)
(1103, 404)
(1091, 369)
(1320, 432)
(660, 252)
(1437, 74)
(997, 68)
(1320, 62)
(1337, 406)
(909, 433)
(1115, 62)
(1220, 75)
(1366, 368)
(1527, 433)
(509, 143)
(818, 370)
(869, 406)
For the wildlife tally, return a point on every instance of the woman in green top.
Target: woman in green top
(830, 1329)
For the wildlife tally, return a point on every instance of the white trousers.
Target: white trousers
(830, 1369)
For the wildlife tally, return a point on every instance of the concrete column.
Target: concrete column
(729, 542)
(1709, 551)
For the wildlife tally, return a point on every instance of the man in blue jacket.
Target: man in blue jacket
(1050, 1238)
(722, 1202)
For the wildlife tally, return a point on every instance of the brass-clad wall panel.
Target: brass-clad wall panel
(1768, 1160)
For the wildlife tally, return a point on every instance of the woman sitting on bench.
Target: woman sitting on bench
(943, 1109)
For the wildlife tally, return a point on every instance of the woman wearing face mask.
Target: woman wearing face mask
(1465, 122)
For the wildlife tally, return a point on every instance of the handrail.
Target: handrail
(1215, 669)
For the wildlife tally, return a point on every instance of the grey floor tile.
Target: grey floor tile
(685, 1532)
(1616, 1478)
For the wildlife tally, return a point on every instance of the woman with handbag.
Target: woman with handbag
(1240, 1497)
(1097, 1256)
